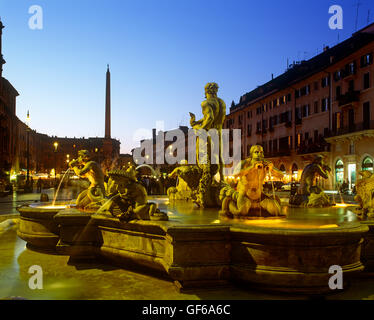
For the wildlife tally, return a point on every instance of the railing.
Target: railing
(313, 148)
(355, 127)
(280, 153)
(288, 124)
(349, 97)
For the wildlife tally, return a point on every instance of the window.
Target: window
(366, 80)
(289, 97)
(258, 127)
(338, 120)
(295, 169)
(306, 111)
(264, 124)
(249, 130)
(351, 85)
(325, 82)
(289, 116)
(366, 60)
(352, 148)
(275, 119)
(325, 104)
(316, 140)
(367, 164)
(298, 113)
(298, 139)
(282, 168)
(350, 68)
(338, 92)
(275, 145)
(338, 75)
(258, 110)
(316, 87)
(339, 171)
(304, 91)
(316, 107)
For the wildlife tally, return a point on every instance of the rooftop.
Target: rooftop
(307, 68)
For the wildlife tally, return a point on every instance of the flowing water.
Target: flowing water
(105, 206)
(59, 185)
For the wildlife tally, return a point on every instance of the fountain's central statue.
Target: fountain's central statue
(84, 167)
(248, 199)
(214, 113)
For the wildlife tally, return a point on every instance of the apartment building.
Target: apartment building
(320, 106)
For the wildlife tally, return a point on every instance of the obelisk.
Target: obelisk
(107, 105)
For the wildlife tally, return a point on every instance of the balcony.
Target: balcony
(313, 148)
(356, 127)
(280, 153)
(349, 97)
(288, 124)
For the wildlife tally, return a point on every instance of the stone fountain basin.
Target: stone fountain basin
(196, 249)
(37, 226)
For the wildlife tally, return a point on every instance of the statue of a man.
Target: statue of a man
(214, 113)
(86, 168)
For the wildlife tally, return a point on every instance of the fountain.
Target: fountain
(224, 234)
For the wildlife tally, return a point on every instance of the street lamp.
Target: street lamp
(28, 150)
(55, 144)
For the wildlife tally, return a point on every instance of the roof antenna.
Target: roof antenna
(368, 20)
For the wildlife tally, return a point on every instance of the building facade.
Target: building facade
(321, 106)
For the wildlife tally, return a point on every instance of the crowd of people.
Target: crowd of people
(343, 187)
(157, 186)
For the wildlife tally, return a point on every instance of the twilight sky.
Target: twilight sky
(161, 54)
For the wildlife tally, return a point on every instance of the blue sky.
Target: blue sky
(161, 54)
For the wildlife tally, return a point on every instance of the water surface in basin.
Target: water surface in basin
(292, 218)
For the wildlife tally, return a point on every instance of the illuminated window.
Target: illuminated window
(339, 171)
(367, 164)
(282, 168)
(298, 139)
(338, 120)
